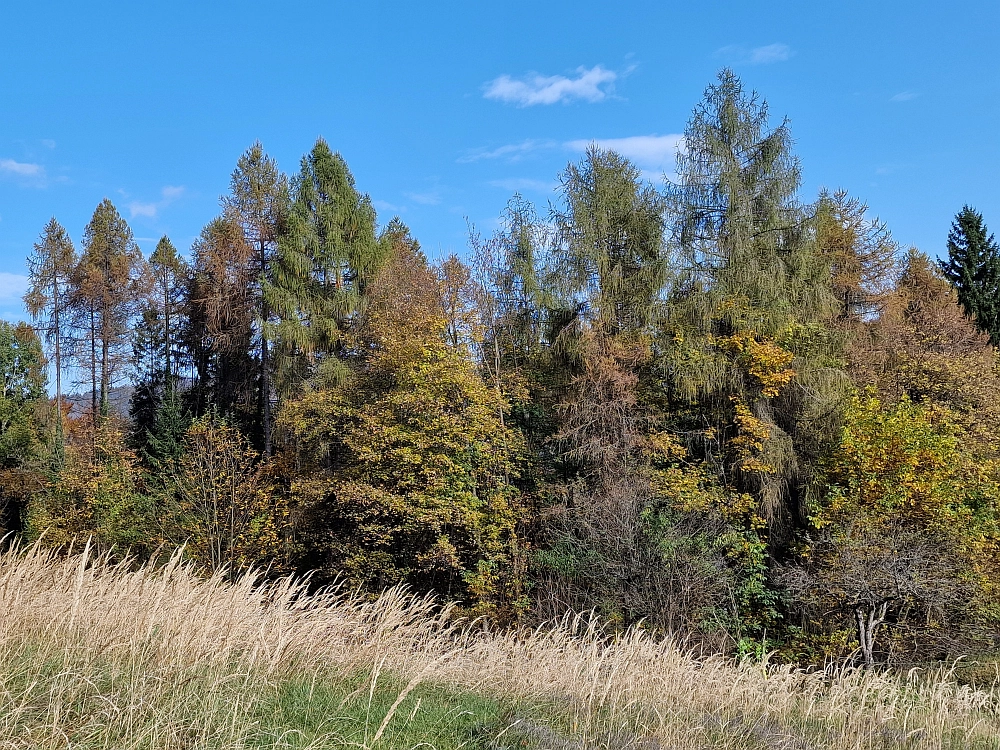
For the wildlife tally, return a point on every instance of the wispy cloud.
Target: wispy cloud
(509, 152)
(430, 198)
(590, 84)
(904, 96)
(48, 143)
(765, 55)
(12, 286)
(388, 208)
(519, 184)
(21, 169)
(655, 155)
(150, 209)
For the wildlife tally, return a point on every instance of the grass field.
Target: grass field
(94, 655)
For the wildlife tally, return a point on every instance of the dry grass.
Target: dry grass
(99, 655)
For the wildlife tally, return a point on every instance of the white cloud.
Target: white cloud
(430, 198)
(770, 53)
(48, 143)
(12, 286)
(765, 55)
(517, 184)
(21, 169)
(590, 84)
(653, 154)
(388, 208)
(904, 96)
(137, 208)
(168, 194)
(511, 151)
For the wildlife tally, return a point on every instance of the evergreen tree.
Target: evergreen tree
(22, 419)
(973, 268)
(327, 255)
(49, 269)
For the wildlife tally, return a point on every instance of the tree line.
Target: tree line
(712, 408)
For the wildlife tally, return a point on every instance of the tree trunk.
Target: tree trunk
(265, 379)
(93, 371)
(868, 618)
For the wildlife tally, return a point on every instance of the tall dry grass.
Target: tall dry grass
(94, 654)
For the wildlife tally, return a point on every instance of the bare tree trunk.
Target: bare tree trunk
(868, 619)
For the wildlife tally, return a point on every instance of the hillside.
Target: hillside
(98, 655)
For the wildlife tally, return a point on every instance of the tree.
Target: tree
(907, 532)
(228, 514)
(327, 256)
(219, 333)
(924, 347)
(973, 268)
(49, 269)
(105, 288)
(258, 204)
(749, 363)
(405, 468)
(22, 418)
(157, 418)
(99, 492)
(864, 260)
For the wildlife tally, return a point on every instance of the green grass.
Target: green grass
(348, 712)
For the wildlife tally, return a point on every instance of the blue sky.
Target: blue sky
(444, 110)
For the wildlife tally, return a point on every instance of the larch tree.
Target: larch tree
(157, 419)
(864, 259)
(221, 306)
(49, 269)
(258, 203)
(105, 288)
(973, 268)
(747, 356)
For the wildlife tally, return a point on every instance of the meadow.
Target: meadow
(95, 654)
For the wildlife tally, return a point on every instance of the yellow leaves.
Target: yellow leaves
(749, 442)
(764, 360)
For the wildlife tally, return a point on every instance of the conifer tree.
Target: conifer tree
(747, 356)
(219, 335)
(49, 268)
(327, 255)
(105, 288)
(973, 268)
(157, 418)
(258, 203)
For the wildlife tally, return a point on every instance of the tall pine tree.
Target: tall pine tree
(973, 268)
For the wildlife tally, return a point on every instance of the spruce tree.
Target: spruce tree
(156, 404)
(973, 268)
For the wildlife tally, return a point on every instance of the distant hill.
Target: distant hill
(119, 398)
